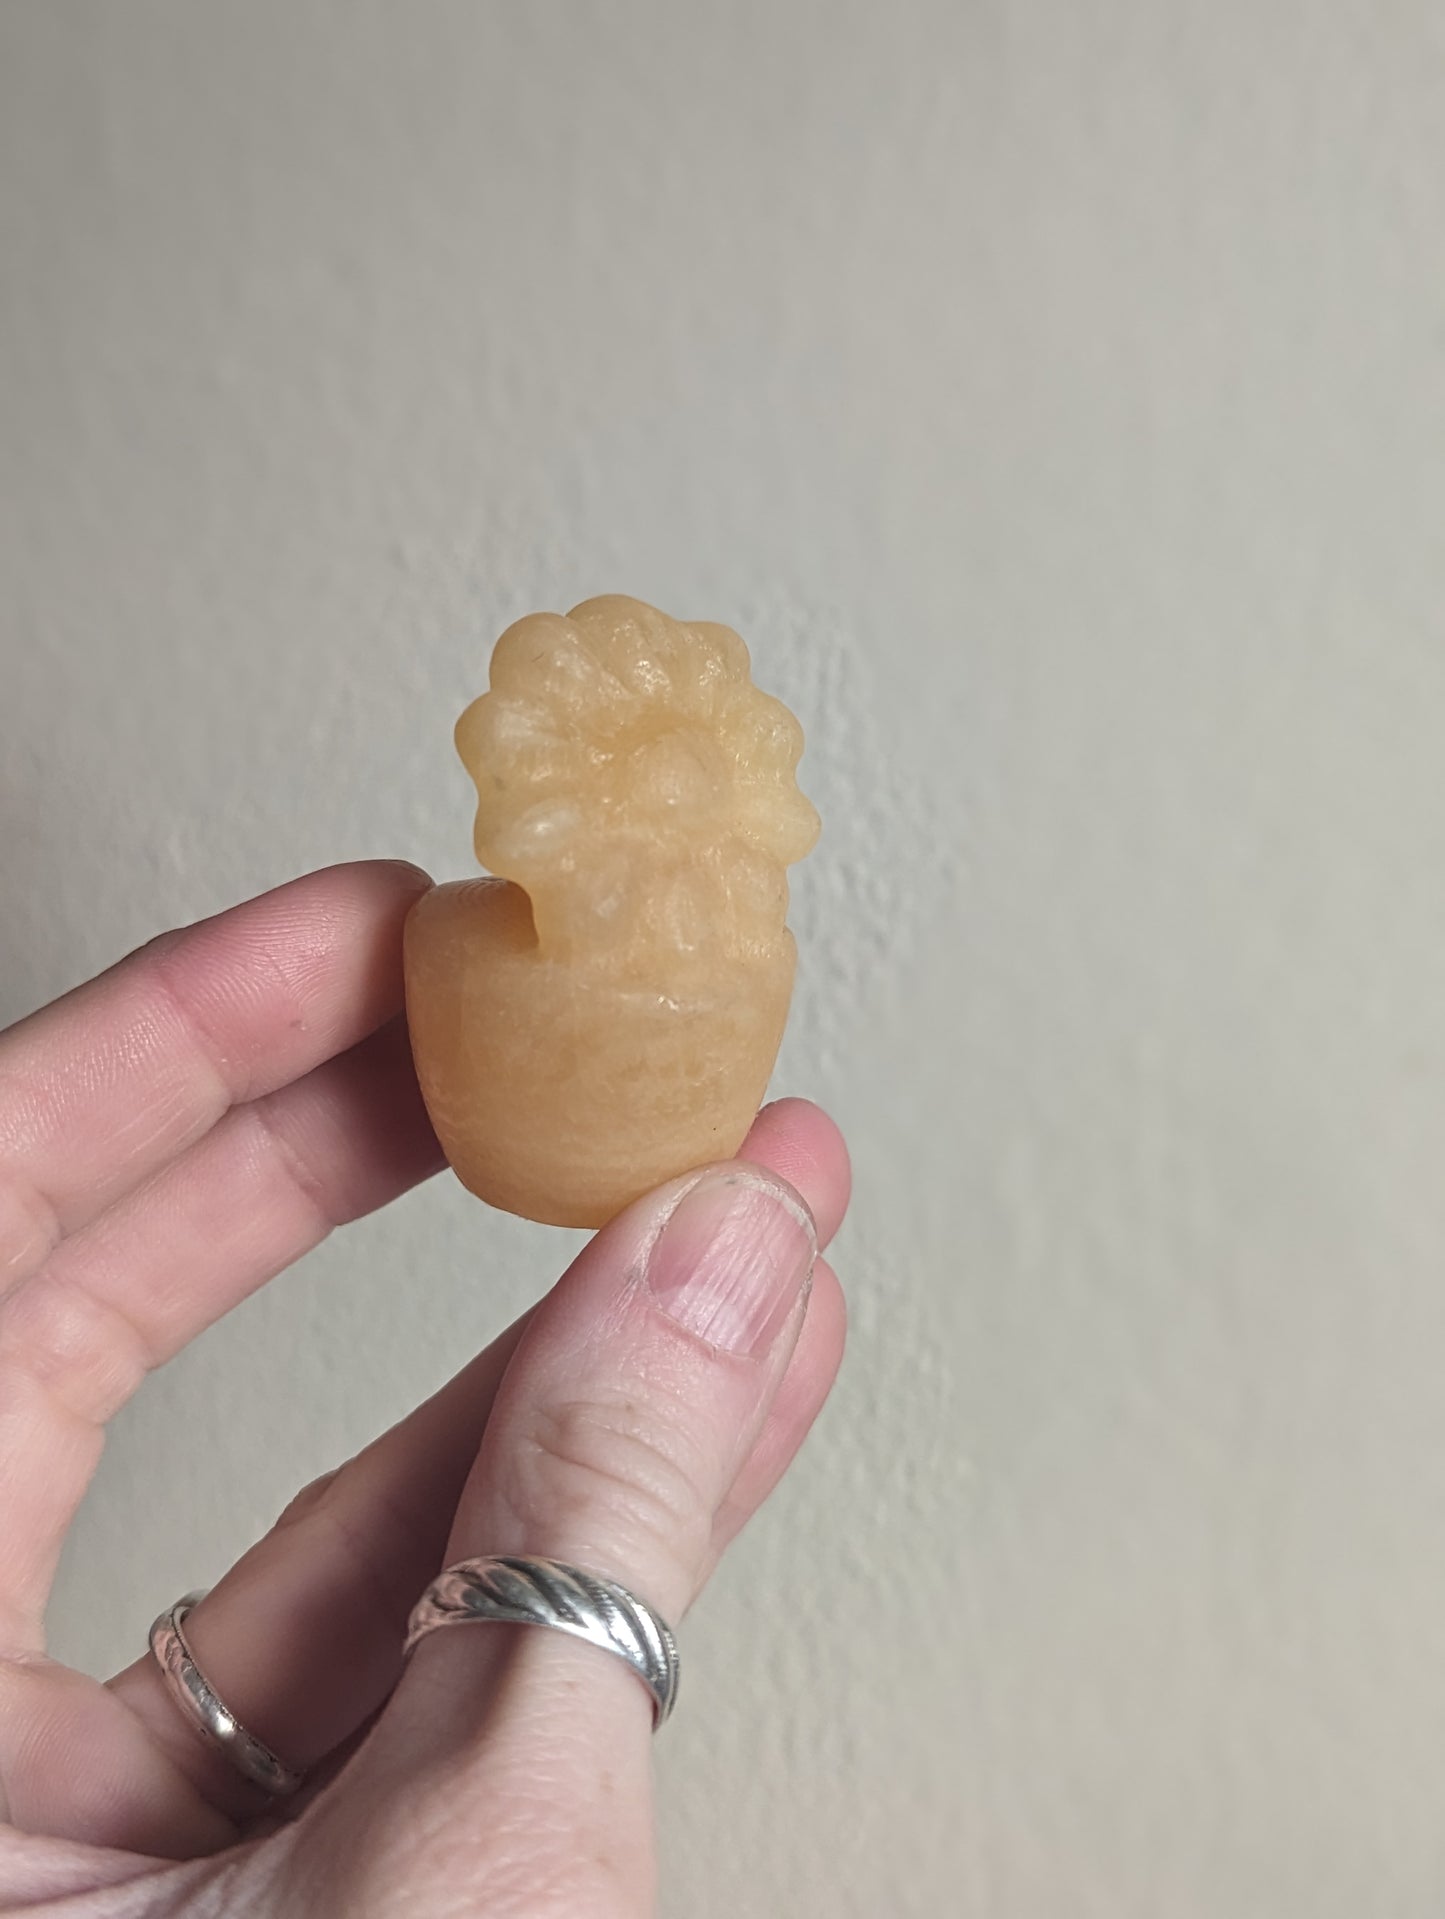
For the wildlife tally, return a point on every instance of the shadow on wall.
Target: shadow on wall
(43, 813)
(86, 874)
(868, 895)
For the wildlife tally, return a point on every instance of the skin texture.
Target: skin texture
(610, 1015)
(174, 1134)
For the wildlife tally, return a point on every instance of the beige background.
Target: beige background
(1055, 396)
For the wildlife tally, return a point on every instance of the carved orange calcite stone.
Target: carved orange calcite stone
(605, 1013)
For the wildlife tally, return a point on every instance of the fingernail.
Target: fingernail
(411, 869)
(733, 1259)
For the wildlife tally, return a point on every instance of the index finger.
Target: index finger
(105, 1086)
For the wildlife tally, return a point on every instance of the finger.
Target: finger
(806, 1384)
(303, 1636)
(799, 1142)
(634, 1399)
(265, 1185)
(107, 1085)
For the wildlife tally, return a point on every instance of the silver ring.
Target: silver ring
(207, 1712)
(512, 1591)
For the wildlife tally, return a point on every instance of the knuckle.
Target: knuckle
(609, 1462)
(304, 1504)
(83, 1352)
(424, 1850)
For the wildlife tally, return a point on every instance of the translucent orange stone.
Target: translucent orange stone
(607, 1011)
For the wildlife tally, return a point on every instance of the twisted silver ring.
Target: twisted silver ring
(207, 1712)
(510, 1590)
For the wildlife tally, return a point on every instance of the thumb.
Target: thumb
(623, 1421)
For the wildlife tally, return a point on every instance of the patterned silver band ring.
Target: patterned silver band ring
(207, 1712)
(515, 1591)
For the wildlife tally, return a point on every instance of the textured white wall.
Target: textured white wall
(1055, 396)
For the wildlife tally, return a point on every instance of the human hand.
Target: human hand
(172, 1135)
